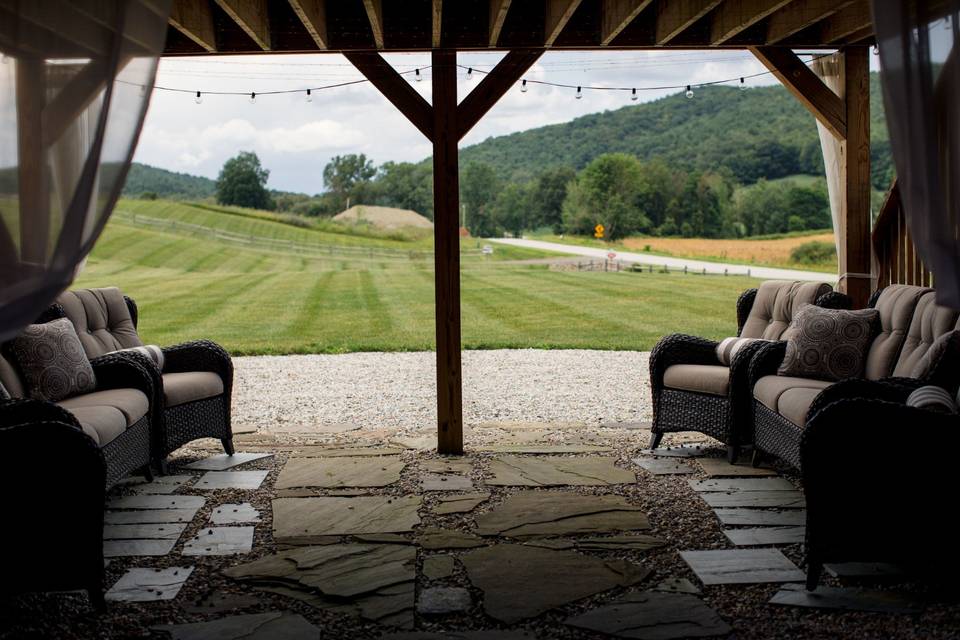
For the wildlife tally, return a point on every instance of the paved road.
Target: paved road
(764, 273)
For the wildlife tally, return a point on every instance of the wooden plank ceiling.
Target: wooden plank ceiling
(202, 27)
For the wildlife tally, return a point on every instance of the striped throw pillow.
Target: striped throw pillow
(932, 398)
(151, 351)
(729, 347)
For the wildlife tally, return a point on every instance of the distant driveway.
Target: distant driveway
(764, 273)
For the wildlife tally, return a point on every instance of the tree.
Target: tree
(242, 182)
(478, 190)
(546, 202)
(406, 186)
(511, 209)
(348, 177)
(606, 192)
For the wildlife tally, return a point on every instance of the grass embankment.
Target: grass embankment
(257, 301)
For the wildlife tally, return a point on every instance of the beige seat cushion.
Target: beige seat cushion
(103, 424)
(930, 321)
(101, 318)
(179, 388)
(775, 305)
(896, 305)
(131, 402)
(788, 396)
(702, 378)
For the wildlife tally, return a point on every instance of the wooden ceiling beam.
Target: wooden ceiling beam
(375, 15)
(194, 20)
(252, 17)
(437, 19)
(799, 15)
(313, 15)
(558, 14)
(395, 88)
(734, 16)
(494, 85)
(498, 14)
(810, 90)
(855, 18)
(676, 16)
(615, 15)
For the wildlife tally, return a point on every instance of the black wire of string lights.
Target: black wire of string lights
(252, 95)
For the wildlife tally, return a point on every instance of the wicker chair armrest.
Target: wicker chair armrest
(199, 355)
(53, 312)
(133, 309)
(834, 300)
(740, 368)
(125, 371)
(890, 390)
(679, 348)
(744, 305)
(19, 411)
(765, 361)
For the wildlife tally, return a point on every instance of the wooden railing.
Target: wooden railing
(897, 258)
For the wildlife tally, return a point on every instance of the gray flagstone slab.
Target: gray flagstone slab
(445, 482)
(147, 516)
(684, 451)
(629, 424)
(761, 517)
(443, 600)
(650, 615)
(254, 626)
(742, 566)
(620, 543)
(756, 499)
(677, 585)
(727, 485)
(302, 518)
(147, 585)
(448, 539)
(848, 599)
(161, 484)
(220, 541)
(765, 535)
(720, 468)
(863, 570)
(462, 503)
(438, 567)
(165, 531)
(325, 451)
(329, 473)
(557, 471)
(156, 502)
(223, 461)
(123, 548)
(541, 513)
(492, 634)
(663, 466)
(542, 448)
(245, 480)
(451, 465)
(235, 514)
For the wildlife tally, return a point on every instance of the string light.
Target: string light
(579, 93)
(417, 75)
(469, 73)
(689, 92)
(309, 96)
(633, 94)
(253, 97)
(876, 49)
(743, 85)
(523, 86)
(199, 98)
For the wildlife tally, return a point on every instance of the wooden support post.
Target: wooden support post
(446, 250)
(855, 255)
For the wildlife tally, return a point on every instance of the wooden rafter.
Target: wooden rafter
(734, 16)
(494, 85)
(436, 18)
(675, 17)
(397, 90)
(375, 16)
(498, 13)
(194, 20)
(313, 15)
(558, 14)
(849, 21)
(799, 15)
(616, 15)
(804, 84)
(252, 17)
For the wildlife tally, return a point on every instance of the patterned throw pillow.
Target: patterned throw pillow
(53, 362)
(829, 344)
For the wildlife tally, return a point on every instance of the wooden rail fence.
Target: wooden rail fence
(897, 259)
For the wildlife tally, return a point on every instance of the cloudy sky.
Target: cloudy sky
(295, 138)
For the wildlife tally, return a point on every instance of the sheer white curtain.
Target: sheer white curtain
(830, 70)
(920, 75)
(75, 79)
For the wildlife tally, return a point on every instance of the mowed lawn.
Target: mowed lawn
(256, 301)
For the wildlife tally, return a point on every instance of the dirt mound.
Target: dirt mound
(383, 217)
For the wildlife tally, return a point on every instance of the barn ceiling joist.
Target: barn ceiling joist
(199, 27)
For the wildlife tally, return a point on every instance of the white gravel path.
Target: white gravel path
(296, 394)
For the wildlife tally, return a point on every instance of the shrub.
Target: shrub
(814, 252)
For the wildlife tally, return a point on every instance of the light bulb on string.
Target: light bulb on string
(143, 89)
(416, 75)
(633, 94)
(523, 86)
(198, 98)
(253, 97)
(876, 48)
(579, 93)
(309, 96)
(469, 73)
(689, 92)
(743, 85)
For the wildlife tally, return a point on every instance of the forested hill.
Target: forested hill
(758, 133)
(143, 178)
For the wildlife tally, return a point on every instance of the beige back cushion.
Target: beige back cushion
(930, 321)
(102, 320)
(775, 305)
(10, 379)
(896, 305)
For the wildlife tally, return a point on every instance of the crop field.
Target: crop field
(259, 285)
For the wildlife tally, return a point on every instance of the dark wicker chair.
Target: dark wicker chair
(910, 323)
(693, 391)
(196, 383)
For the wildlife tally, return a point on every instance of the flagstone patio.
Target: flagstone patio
(340, 536)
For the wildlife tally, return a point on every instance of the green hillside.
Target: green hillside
(758, 133)
(143, 178)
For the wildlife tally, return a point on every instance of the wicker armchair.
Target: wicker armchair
(195, 384)
(694, 391)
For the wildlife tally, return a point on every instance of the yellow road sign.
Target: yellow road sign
(598, 231)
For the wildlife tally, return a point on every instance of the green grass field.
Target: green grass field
(344, 292)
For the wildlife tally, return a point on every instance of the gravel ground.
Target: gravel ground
(296, 394)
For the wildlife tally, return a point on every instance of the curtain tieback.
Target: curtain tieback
(863, 276)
